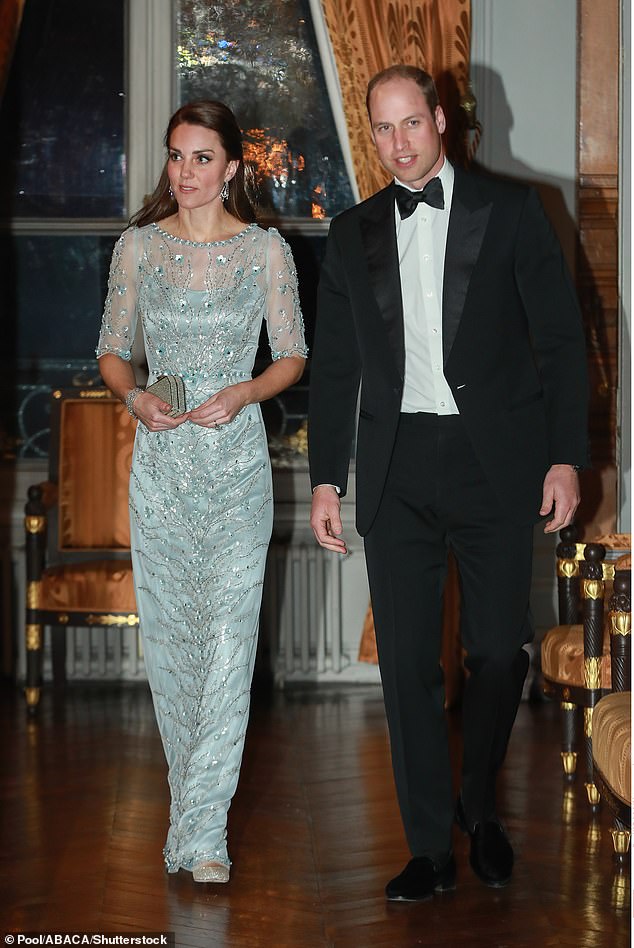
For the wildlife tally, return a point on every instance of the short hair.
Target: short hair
(400, 71)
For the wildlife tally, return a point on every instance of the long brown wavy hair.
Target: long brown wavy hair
(217, 117)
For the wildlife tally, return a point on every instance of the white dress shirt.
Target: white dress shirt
(422, 240)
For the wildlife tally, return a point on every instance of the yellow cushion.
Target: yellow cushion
(562, 656)
(612, 742)
(98, 586)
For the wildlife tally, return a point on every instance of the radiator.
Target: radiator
(302, 614)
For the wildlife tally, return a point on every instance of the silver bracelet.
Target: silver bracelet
(130, 399)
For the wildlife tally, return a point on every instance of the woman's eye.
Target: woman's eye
(174, 156)
(203, 159)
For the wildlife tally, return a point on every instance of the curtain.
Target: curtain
(369, 35)
(331, 76)
(10, 18)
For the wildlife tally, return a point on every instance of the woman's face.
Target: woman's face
(197, 166)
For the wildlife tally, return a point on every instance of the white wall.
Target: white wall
(523, 67)
(524, 75)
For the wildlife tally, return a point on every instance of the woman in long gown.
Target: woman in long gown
(200, 275)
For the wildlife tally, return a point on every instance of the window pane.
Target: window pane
(261, 58)
(54, 286)
(62, 116)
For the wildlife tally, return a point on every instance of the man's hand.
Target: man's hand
(561, 492)
(325, 519)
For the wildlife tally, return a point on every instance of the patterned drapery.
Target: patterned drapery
(10, 18)
(369, 35)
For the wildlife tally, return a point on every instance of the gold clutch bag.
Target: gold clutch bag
(170, 389)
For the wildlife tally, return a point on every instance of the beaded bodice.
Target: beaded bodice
(202, 304)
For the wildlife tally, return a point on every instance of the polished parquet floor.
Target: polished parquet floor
(314, 833)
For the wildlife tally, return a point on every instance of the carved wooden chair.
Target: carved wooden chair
(78, 567)
(576, 653)
(612, 719)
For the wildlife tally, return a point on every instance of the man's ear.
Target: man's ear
(440, 120)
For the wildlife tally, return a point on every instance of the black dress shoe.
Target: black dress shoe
(420, 878)
(491, 855)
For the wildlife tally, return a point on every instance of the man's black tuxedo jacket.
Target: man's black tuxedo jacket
(514, 353)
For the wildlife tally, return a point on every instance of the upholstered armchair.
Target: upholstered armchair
(78, 567)
(612, 719)
(576, 653)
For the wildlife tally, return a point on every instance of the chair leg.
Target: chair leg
(621, 841)
(594, 797)
(58, 655)
(34, 640)
(569, 739)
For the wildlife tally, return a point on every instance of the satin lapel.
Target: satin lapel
(378, 234)
(467, 225)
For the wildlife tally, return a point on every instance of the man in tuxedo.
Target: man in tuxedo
(446, 299)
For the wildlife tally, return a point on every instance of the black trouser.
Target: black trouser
(436, 496)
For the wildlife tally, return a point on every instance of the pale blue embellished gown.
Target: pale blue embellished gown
(201, 505)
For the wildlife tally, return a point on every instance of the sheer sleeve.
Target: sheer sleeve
(283, 314)
(118, 324)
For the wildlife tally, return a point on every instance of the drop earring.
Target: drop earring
(171, 193)
(224, 194)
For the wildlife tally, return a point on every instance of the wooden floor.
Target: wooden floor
(314, 833)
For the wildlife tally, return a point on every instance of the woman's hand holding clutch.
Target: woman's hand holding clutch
(222, 407)
(154, 413)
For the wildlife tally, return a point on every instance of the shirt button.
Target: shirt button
(442, 404)
(426, 257)
(429, 294)
(434, 330)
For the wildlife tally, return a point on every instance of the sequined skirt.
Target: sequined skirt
(201, 517)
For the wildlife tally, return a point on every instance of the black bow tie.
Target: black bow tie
(431, 194)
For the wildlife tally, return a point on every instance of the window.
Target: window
(80, 149)
(260, 57)
(62, 116)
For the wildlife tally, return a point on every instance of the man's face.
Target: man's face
(405, 132)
